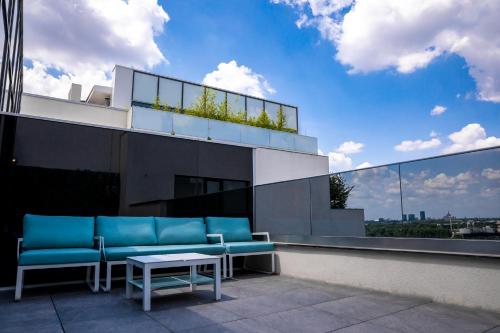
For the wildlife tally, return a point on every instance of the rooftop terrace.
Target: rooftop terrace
(252, 303)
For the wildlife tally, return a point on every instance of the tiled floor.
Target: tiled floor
(253, 303)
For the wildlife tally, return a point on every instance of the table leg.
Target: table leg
(193, 277)
(129, 277)
(146, 290)
(217, 290)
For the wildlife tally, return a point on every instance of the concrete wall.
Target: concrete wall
(121, 87)
(272, 166)
(60, 109)
(465, 281)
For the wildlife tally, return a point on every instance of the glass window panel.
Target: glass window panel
(145, 87)
(272, 110)
(291, 117)
(376, 191)
(170, 93)
(192, 94)
(254, 107)
(235, 103)
(219, 96)
(455, 196)
(188, 186)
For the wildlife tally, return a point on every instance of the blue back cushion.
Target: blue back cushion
(234, 229)
(126, 231)
(48, 232)
(178, 231)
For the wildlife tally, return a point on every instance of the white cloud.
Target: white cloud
(237, 78)
(472, 136)
(438, 110)
(491, 174)
(364, 165)
(81, 41)
(339, 162)
(407, 35)
(350, 147)
(408, 145)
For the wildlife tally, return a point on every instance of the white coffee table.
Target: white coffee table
(147, 284)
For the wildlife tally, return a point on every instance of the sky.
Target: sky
(375, 81)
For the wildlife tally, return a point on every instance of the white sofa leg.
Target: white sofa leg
(96, 277)
(19, 283)
(230, 257)
(108, 277)
(224, 266)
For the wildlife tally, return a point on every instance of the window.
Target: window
(170, 93)
(186, 186)
(145, 87)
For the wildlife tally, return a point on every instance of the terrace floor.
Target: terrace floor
(253, 303)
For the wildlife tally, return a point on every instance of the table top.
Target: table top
(166, 258)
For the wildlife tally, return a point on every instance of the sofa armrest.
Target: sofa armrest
(262, 233)
(221, 237)
(19, 241)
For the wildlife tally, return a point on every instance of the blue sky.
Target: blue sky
(351, 83)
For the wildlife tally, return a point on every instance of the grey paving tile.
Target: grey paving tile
(305, 296)
(425, 319)
(469, 314)
(87, 298)
(194, 316)
(35, 328)
(494, 330)
(305, 319)
(248, 326)
(137, 323)
(73, 313)
(369, 306)
(29, 311)
(368, 328)
(256, 306)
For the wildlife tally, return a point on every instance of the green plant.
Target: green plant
(339, 191)
(264, 121)
(156, 105)
(281, 122)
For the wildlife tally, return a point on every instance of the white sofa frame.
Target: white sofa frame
(110, 264)
(89, 265)
(233, 255)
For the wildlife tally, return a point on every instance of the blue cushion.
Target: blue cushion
(126, 231)
(47, 232)
(121, 253)
(58, 256)
(248, 247)
(172, 230)
(234, 229)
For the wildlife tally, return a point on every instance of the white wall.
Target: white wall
(60, 109)
(121, 87)
(272, 165)
(465, 281)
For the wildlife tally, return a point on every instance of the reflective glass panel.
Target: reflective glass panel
(291, 117)
(235, 103)
(192, 95)
(145, 87)
(170, 93)
(272, 110)
(254, 107)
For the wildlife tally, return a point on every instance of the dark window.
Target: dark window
(186, 186)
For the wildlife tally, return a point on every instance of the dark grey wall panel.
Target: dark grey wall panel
(283, 208)
(224, 161)
(55, 145)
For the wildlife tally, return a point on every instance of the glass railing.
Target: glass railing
(174, 95)
(179, 124)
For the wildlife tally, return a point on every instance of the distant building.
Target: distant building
(422, 215)
(404, 217)
(411, 217)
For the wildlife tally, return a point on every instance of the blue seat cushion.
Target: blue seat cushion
(178, 231)
(121, 253)
(234, 229)
(248, 247)
(58, 256)
(126, 230)
(48, 232)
